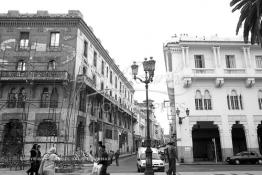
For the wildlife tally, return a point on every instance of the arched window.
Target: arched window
(20, 65)
(198, 100)
(234, 101)
(207, 101)
(11, 102)
(47, 128)
(260, 99)
(54, 98)
(21, 98)
(51, 65)
(44, 98)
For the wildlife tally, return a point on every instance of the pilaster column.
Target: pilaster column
(226, 137)
(251, 134)
(184, 56)
(187, 57)
(215, 56)
(248, 56)
(218, 57)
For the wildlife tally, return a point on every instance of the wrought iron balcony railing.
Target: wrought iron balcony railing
(33, 75)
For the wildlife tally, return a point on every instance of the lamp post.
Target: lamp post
(149, 68)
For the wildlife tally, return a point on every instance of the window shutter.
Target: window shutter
(240, 100)
(228, 102)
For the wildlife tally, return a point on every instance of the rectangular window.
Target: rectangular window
(95, 59)
(54, 39)
(230, 61)
(259, 61)
(169, 56)
(103, 68)
(85, 48)
(111, 77)
(24, 40)
(120, 86)
(199, 61)
(260, 103)
(116, 82)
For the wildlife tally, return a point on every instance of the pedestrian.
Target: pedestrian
(171, 156)
(48, 162)
(104, 161)
(38, 158)
(33, 163)
(111, 155)
(117, 156)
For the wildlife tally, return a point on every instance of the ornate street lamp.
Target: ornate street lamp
(149, 68)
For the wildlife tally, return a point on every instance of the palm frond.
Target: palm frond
(233, 2)
(241, 4)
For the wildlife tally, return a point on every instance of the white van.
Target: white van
(157, 163)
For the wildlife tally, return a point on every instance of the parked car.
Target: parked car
(245, 157)
(157, 163)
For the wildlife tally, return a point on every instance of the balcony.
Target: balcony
(258, 70)
(203, 70)
(87, 80)
(234, 70)
(34, 75)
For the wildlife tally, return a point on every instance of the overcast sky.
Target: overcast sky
(133, 29)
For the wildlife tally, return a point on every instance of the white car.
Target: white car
(157, 163)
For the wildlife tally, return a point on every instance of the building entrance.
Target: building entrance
(259, 137)
(206, 142)
(238, 138)
(12, 144)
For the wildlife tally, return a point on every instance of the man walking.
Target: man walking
(171, 156)
(117, 156)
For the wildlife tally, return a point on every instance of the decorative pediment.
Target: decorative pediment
(187, 82)
(219, 82)
(250, 82)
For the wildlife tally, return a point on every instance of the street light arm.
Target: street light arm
(140, 79)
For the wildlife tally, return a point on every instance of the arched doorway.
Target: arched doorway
(13, 138)
(206, 142)
(259, 137)
(238, 138)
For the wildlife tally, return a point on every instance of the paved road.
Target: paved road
(128, 165)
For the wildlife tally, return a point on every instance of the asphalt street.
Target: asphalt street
(128, 165)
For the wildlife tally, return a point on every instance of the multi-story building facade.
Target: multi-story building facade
(219, 81)
(59, 87)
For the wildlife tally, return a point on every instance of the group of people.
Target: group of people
(42, 165)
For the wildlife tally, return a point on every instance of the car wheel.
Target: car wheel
(163, 170)
(237, 162)
(259, 161)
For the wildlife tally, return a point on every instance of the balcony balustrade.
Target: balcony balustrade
(33, 75)
(87, 80)
(258, 70)
(234, 70)
(203, 70)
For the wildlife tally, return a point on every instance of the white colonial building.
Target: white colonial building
(220, 82)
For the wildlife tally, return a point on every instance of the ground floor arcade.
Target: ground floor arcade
(215, 138)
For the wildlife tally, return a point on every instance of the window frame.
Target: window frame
(199, 61)
(230, 64)
(54, 44)
(25, 44)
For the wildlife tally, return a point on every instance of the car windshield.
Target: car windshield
(155, 156)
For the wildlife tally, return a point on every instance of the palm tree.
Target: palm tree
(250, 15)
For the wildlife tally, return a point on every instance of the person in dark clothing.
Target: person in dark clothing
(171, 156)
(104, 161)
(33, 161)
(38, 159)
(117, 156)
